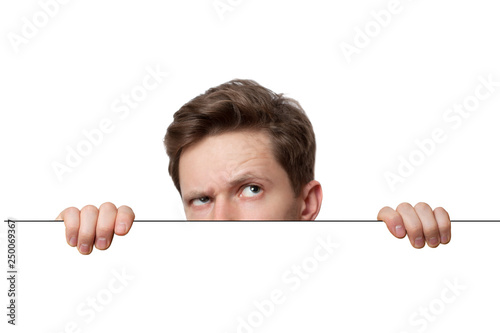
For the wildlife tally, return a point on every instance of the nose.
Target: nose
(224, 210)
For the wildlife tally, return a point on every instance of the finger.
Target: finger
(71, 217)
(86, 234)
(105, 226)
(124, 219)
(393, 221)
(429, 223)
(412, 224)
(444, 224)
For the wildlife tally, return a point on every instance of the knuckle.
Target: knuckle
(442, 211)
(385, 213)
(393, 219)
(72, 210)
(422, 206)
(85, 236)
(107, 206)
(89, 209)
(404, 206)
(72, 229)
(70, 216)
(414, 230)
(105, 229)
(431, 231)
(383, 209)
(126, 210)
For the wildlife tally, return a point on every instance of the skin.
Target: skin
(234, 176)
(243, 181)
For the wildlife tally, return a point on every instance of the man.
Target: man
(241, 152)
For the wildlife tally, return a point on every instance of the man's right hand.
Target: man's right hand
(92, 224)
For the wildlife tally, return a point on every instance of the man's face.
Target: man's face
(235, 176)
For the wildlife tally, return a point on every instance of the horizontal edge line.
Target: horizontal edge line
(177, 221)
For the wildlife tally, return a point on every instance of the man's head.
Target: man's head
(240, 151)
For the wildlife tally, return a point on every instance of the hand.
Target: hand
(89, 224)
(421, 223)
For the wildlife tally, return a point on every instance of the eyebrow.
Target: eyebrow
(246, 177)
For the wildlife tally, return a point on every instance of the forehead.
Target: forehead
(218, 159)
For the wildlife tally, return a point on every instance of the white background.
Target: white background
(193, 277)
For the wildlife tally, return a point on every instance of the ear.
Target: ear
(312, 196)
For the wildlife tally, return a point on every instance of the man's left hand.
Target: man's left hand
(421, 223)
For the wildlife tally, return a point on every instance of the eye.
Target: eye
(251, 191)
(200, 201)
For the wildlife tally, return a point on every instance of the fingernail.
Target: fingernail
(101, 243)
(400, 232)
(84, 248)
(444, 239)
(72, 241)
(433, 241)
(419, 242)
(121, 228)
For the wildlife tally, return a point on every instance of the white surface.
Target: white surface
(366, 113)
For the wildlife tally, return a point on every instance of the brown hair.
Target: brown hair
(244, 104)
